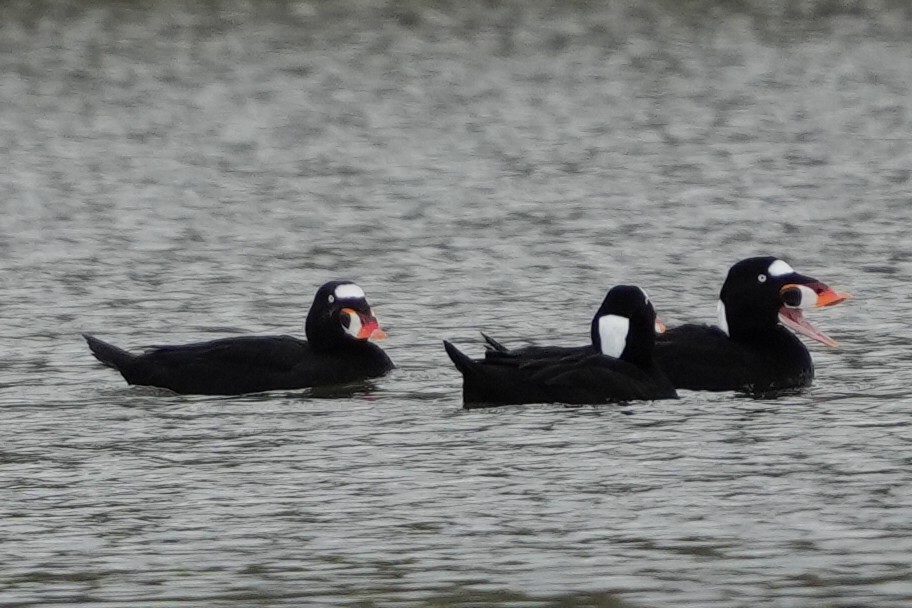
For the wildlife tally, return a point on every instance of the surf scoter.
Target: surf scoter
(750, 350)
(337, 351)
(617, 366)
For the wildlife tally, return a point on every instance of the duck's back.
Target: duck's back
(703, 357)
(597, 378)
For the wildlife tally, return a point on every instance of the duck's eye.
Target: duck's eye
(331, 298)
(761, 278)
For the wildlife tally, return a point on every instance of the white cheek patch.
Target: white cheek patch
(354, 325)
(779, 268)
(349, 291)
(723, 319)
(613, 334)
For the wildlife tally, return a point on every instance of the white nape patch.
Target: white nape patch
(779, 268)
(613, 334)
(723, 319)
(349, 291)
(645, 295)
(354, 325)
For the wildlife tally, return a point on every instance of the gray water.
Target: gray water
(171, 173)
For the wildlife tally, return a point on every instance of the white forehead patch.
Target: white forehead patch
(613, 334)
(779, 268)
(349, 291)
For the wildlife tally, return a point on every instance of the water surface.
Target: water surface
(174, 173)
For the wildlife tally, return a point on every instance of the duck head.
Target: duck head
(341, 315)
(759, 293)
(625, 325)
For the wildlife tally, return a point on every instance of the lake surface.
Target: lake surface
(171, 174)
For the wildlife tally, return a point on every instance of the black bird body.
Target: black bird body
(703, 357)
(574, 375)
(750, 350)
(230, 366)
(581, 376)
(247, 364)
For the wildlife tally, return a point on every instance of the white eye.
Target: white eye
(332, 298)
(762, 278)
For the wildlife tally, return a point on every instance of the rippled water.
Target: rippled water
(173, 173)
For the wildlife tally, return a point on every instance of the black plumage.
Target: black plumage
(750, 350)
(576, 375)
(337, 351)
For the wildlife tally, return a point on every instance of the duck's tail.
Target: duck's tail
(110, 355)
(492, 344)
(462, 361)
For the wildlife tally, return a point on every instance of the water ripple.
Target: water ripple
(175, 175)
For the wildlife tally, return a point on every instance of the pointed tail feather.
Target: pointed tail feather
(109, 354)
(473, 376)
(462, 361)
(485, 384)
(493, 344)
